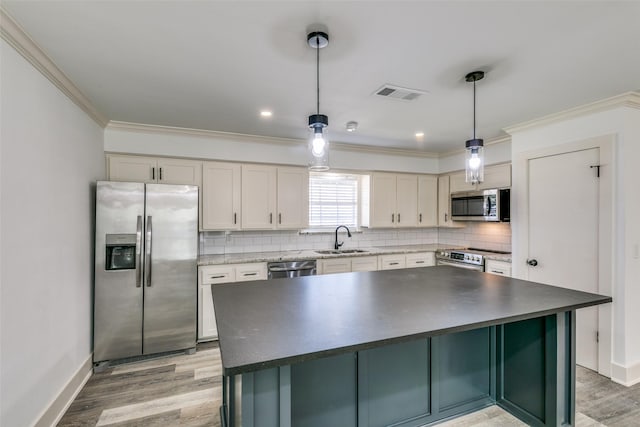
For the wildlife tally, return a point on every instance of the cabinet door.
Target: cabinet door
(427, 201)
(406, 201)
(444, 202)
(178, 171)
(364, 263)
(334, 265)
(293, 198)
(422, 259)
(207, 329)
(220, 196)
(392, 262)
(258, 197)
(133, 169)
(383, 200)
(498, 176)
(458, 183)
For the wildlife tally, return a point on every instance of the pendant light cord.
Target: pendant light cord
(318, 74)
(474, 109)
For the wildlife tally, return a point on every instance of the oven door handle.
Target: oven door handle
(460, 265)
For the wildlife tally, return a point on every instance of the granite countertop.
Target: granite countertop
(308, 254)
(264, 324)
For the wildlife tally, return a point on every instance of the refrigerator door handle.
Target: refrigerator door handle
(147, 246)
(139, 252)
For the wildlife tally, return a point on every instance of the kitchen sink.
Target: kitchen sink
(343, 251)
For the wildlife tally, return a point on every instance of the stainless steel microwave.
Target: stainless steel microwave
(486, 205)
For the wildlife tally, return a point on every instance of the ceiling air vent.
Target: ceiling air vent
(397, 92)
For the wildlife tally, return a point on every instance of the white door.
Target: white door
(258, 197)
(563, 234)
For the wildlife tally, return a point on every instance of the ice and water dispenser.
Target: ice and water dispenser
(121, 252)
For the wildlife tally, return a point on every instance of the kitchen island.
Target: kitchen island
(403, 347)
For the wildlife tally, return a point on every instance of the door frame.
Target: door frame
(606, 145)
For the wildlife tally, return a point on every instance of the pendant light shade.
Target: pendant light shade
(474, 148)
(318, 147)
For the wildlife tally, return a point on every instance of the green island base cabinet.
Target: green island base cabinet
(406, 347)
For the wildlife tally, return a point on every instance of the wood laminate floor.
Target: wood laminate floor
(185, 390)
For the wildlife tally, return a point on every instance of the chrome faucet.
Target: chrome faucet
(337, 244)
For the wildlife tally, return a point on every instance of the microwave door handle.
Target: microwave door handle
(147, 247)
(139, 252)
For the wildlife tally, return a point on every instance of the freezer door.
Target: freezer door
(118, 291)
(170, 282)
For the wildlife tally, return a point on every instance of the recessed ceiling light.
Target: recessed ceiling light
(419, 134)
(266, 113)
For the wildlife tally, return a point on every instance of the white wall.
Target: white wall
(624, 122)
(51, 154)
(253, 149)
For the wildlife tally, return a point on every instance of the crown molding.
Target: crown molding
(628, 99)
(12, 33)
(159, 129)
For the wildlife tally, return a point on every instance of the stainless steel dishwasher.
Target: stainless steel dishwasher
(284, 269)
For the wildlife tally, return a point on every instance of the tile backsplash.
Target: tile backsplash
(478, 235)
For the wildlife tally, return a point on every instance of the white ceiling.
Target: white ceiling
(215, 64)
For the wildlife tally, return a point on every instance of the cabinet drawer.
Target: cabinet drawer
(365, 263)
(253, 271)
(501, 268)
(391, 262)
(424, 259)
(217, 274)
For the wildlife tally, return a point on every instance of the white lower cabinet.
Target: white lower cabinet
(216, 274)
(364, 263)
(392, 262)
(501, 268)
(333, 265)
(347, 264)
(422, 259)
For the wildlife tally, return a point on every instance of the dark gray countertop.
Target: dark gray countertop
(279, 322)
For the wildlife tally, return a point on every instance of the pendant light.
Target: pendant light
(318, 140)
(474, 148)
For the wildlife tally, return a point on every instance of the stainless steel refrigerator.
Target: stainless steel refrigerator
(145, 269)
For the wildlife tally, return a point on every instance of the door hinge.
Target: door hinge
(597, 336)
(597, 169)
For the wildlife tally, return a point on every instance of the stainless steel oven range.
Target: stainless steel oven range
(471, 258)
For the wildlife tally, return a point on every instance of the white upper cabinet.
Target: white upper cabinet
(496, 176)
(259, 197)
(393, 201)
(220, 196)
(293, 198)
(406, 201)
(427, 201)
(154, 170)
(179, 171)
(132, 169)
(444, 203)
(383, 200)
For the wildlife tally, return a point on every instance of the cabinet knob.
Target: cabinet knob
(532, 262)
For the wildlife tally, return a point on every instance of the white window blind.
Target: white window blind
(333, 200)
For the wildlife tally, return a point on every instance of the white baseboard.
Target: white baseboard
(625, 375)
(54, 412)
